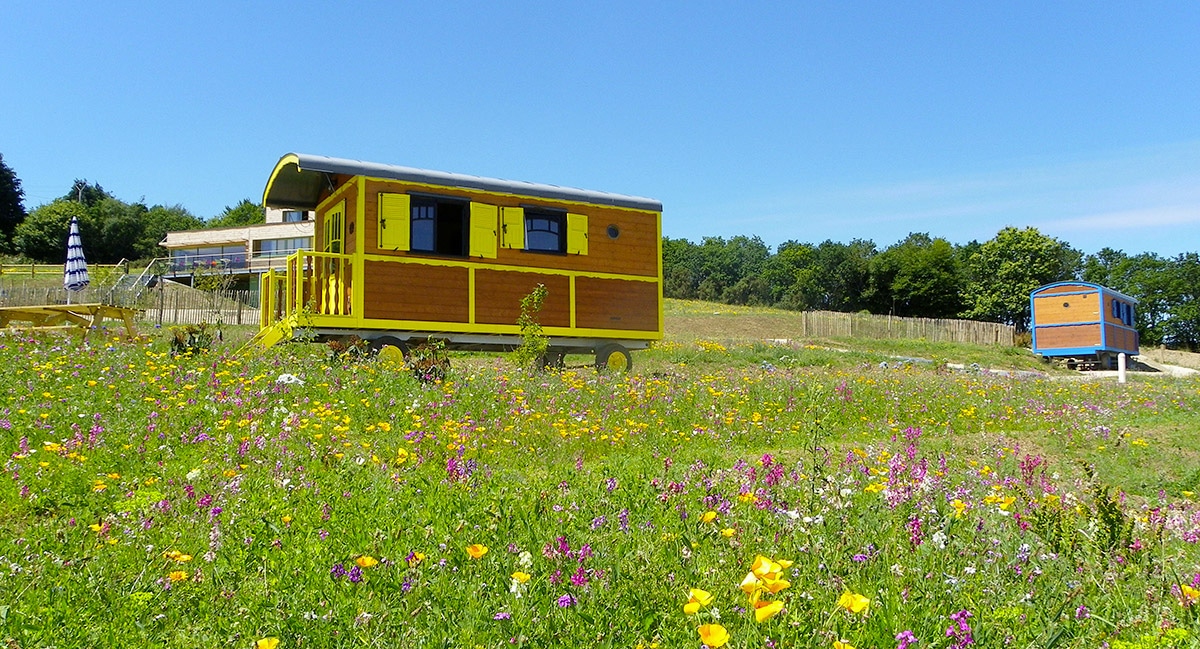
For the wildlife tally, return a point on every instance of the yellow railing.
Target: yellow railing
(319, 281)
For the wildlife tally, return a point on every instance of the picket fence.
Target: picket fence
(832, 324)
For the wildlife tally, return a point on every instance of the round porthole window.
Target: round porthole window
(1066, 305)
(613, 232)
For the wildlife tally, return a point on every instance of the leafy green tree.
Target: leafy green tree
(244, 213)
(157, 222)
(1146, 277)
(840, 276)
(43, 234)
(87, 193)
(1182, 327)
(785, 271)
(1006, 269)
(681, 268)
(12, 206)
(918, 277)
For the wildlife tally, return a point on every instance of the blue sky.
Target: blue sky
(786, 120)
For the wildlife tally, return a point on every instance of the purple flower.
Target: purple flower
(1082, 613)
(960, 631)
(337, 571)
(566, 601)
(502, 615)
(355, 574)
(905, 638)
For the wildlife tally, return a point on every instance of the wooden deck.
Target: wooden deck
(66, 317)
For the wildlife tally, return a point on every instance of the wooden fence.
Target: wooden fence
(194, 307)
(831, 324)
(176, 305)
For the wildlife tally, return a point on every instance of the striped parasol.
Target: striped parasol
(75, 275)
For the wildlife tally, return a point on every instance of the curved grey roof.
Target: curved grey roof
(299, 178)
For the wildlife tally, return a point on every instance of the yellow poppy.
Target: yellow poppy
(728, 532)
(767, 610)
(853, 602)
(521, 577)
(696, 599)
(366, 561)
(708, 516)
(713, 635)
(266, 643)
(477, 550)
(842, 644)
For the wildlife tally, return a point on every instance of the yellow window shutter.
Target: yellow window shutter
(483, 230)
(577, 234)
(394, 222)
(513, 230)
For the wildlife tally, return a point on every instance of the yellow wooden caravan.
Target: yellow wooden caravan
(402, 255)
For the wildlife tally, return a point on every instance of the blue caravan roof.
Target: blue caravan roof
(1092, 285)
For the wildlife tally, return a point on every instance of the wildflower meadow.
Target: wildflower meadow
(765, 497)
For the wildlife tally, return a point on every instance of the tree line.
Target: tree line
(929, 277)
(919, 276)
(112, 229)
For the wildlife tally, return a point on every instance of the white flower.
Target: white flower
(525, 560)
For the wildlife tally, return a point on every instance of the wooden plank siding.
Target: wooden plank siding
(616, 304)
(416, 292)
(1120, 338)
(1062, 309)
(1069, 336)
(498, 297)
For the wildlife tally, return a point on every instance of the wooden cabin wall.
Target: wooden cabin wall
(634, 252)
(416, 292)
(1087, 335)
(498, 296)
(1120, 338)
(1052, 307)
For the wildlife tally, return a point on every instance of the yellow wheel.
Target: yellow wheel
(390, 350)
(613, 357)
(392, 355)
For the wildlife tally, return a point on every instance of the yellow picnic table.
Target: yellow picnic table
(65, 317)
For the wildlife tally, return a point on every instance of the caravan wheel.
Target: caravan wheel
(613, 357)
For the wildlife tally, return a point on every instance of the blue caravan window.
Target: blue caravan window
(1116, 310)
(1129, 314)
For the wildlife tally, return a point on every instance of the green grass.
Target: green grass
(1057, 513)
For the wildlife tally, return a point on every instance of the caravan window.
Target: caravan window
(545, 230)
(439, 225)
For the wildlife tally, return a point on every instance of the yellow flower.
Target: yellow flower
(366, 561)
(286, 519)
(842, 644)
(401, 456)
(177, 556)
(1190, 595)
(266, 643)
(477, 550)
(177, 576)
(708, 516)
(713, 635)
(853, 602)
(696, 599)
(728, 532)
(764, 611)
(521, 577)
(415, 558)
(750, 584)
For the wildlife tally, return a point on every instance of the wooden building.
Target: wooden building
(402, 254)
(1082, 322)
